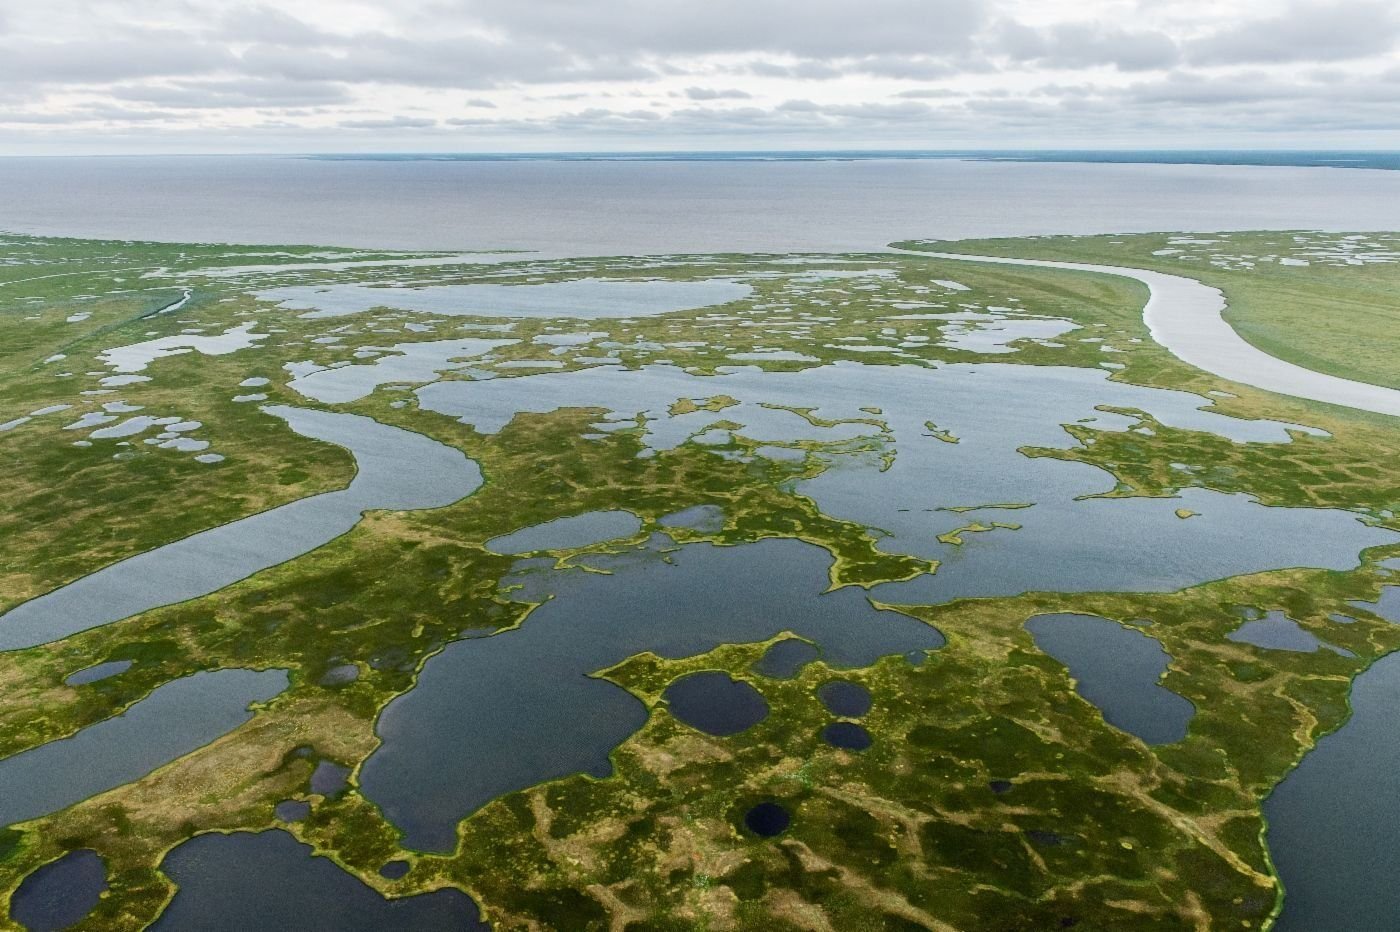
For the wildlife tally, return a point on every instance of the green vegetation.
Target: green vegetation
(1096, 828)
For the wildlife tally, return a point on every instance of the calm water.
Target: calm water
(566, 533)
(715, 703)
(395, 469)
(651, 207)
(495, 714)
(1065, 542)
(172, 721)
(1117, 669)
(271, 881)
(1334, 821)
(60, 893)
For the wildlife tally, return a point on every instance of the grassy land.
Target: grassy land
(1098, 828)
(1327, 314)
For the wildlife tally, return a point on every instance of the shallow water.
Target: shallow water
(707, 519)
(583, 298)
(1333, 821)
(409, 362)
(1276, 631)
(454, 742)
(271, 881)
(172, 721)
(59, 894)
(396, 469)
(593, 527)
(1066, 542)
(715, 703)
(97, 672)
(1118, 670)
(785, 658)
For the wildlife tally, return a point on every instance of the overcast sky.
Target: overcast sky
(520, 75)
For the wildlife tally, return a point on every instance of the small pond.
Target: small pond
(714, 703)
(767, 820)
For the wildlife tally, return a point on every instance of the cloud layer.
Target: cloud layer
(214, 75)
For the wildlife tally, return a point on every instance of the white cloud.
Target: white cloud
(469, 74)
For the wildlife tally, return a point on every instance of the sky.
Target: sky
(210, 76)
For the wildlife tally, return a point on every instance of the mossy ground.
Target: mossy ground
(1097, 829)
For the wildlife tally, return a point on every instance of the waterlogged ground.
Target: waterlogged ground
(728, 591)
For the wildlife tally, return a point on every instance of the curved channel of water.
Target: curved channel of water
(175, 719)
(395, 469)
(1184, 316)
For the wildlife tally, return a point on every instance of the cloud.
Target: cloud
(652, 73)
(398, 122)
(710, 93)
(1086, 45)
(234, 93)
(1302, 32)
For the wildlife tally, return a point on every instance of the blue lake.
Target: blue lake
(1117, 669)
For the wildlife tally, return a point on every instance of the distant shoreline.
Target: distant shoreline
(1291, 158)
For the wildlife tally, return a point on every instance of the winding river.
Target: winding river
(395, 469)
(1185, 317)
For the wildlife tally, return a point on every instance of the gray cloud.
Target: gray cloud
(710, 93)
(1087, 45)
(1307, 30)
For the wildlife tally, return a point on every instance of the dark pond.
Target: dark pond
(172, 721)
(715, 704)
(844, 698)
(98, 672)
(394, 870)
(846, 735)
(60, 893)
(496, 714)
(1117, 669)
(767, 819)
(240, 882)
(785, 658)
(292, 810)
(1333, 821)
